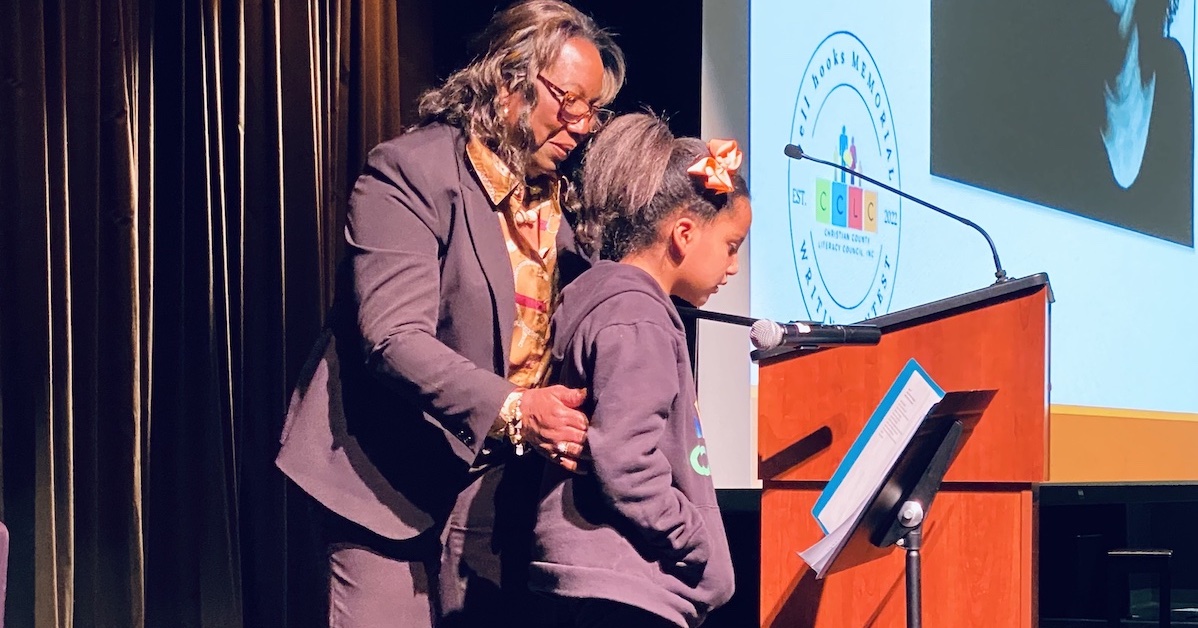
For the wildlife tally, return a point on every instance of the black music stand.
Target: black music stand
(895, 514)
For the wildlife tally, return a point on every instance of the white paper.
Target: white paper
(820, 555)
(865, 466)
(880, 452)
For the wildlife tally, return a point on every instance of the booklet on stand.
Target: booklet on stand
(864, 468)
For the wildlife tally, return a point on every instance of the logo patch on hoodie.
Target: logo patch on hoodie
(699, 453)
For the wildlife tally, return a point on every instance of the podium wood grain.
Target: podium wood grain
(976, 570)
(979, 540)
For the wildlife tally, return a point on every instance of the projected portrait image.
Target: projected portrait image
(1081, 106)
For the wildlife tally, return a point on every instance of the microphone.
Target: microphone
(796, 152)
(766, 334)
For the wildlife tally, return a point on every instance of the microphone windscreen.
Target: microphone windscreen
(765, 334)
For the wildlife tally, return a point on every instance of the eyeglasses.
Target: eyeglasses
(572, 109)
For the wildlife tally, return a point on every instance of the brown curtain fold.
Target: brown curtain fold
(174, 177)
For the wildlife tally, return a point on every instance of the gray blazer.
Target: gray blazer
(401, 389)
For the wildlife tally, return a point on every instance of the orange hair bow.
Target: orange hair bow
(717, 169)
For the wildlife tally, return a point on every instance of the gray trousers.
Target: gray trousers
(449, 577)
(368, 588)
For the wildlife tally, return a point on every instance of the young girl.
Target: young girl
(638, 541)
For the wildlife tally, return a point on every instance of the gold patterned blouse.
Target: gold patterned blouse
(533, 269)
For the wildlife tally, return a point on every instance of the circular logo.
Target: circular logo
(844, 230)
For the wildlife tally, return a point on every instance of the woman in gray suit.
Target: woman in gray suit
(427, 388)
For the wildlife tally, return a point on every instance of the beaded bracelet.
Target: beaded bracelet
(513, 420)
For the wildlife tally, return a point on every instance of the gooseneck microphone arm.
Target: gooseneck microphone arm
(796, 152)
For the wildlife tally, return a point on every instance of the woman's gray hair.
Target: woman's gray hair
(519, 43)
(634, 178)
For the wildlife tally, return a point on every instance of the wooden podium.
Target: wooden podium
(979, 545)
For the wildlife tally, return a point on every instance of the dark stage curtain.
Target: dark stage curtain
(173, 177)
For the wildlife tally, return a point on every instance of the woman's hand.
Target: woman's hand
(553, 425)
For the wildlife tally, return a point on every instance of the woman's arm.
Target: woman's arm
(398, 216)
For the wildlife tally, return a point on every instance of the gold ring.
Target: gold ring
(563, 448)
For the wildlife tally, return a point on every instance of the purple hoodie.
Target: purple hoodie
(643, 527)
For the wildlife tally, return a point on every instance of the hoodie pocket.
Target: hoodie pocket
(693, 564)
